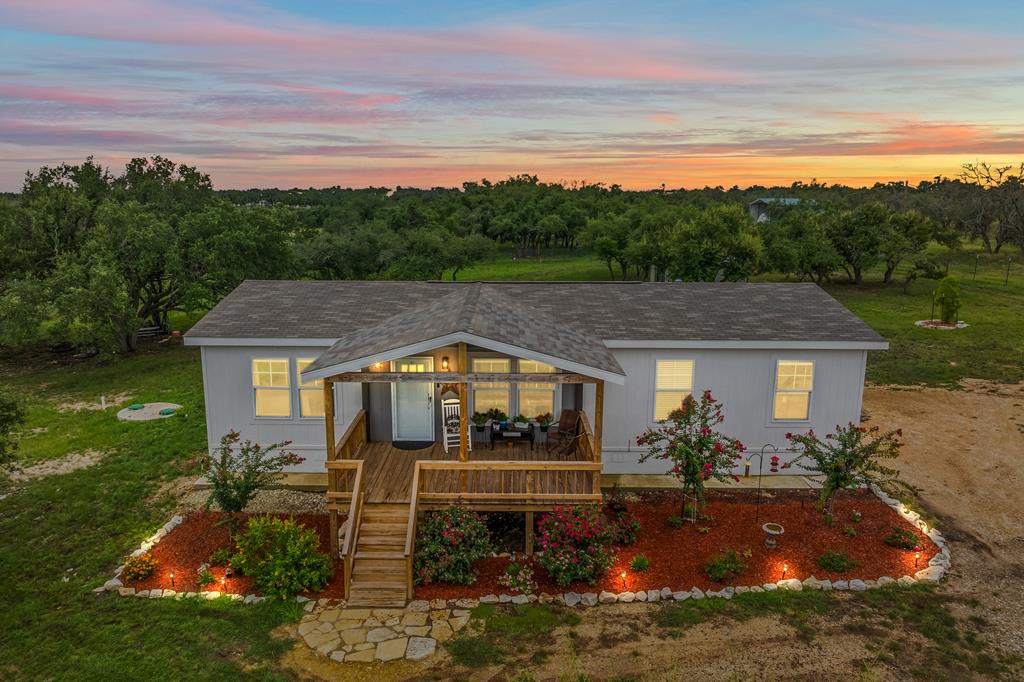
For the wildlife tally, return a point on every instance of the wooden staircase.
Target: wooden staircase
(379, 566)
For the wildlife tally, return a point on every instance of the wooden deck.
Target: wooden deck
(388, 471)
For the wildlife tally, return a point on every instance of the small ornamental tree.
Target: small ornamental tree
(690, 440)
(947, 297)
(237, 471)
(849, 459)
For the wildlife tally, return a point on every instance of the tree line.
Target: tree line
(88, 255)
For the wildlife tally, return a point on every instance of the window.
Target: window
(793, 382)
(673, 381)
(270, 384)
(536, 398)
(311, 393)
(490, 395)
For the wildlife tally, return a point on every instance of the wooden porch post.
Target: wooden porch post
(463, 414)
(529, 533)
(332, 474)
(598, 430)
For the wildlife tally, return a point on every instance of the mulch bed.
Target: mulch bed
(190, 544)
(678, 556)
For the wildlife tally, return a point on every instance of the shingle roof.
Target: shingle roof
(634, 311)
(478, 310)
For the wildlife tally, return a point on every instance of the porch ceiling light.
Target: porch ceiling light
(444, 363)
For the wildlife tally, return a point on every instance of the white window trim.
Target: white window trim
(288, 389)
(772, 421)
(653, 394)
(513, 388)
(298, 395)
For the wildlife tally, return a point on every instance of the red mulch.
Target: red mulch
(190, 544)
(678, 556)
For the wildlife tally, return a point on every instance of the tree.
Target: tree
(717, 243)
(947, 297)
(902, 236)
(857, 237)
(853, 457)
(691, 442)
(12, 415)
(237, 470)
(796, 241)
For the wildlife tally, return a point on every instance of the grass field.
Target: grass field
(992, 348)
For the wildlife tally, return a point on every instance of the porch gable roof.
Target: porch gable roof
(474, 314)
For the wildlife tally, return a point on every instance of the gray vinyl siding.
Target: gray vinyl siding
(742, 379)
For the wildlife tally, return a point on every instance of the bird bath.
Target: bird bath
(773, 531)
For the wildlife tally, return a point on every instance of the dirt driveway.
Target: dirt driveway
(964, 450)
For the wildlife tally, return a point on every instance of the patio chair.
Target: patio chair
(451, 419)
(565, 432)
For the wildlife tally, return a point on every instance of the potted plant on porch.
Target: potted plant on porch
(544, 421)
(497, 417)
(521, 421)
(479, 420)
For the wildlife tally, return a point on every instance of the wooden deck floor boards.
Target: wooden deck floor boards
(388, 471)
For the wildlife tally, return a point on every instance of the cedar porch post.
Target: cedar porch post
(598, 429)
(332, 474)
(463, 414)
(529, 533)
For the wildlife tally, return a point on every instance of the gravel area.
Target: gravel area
(272, 501)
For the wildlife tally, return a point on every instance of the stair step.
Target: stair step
(380, 600)
(364, 583)
(370, 553)
(382, 529)
(389, 568)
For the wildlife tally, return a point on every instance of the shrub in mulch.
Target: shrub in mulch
(728, 565)
(281, 557)
(189, 545)
(575, 544)
(640, 563)
(836, 562)
(448, 543)
(138, 567)
(678, 556)
(902, 538)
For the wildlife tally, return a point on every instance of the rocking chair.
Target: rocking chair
(451, 419)
(565, 433)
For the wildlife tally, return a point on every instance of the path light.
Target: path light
(170, 575)
(785, 569)
(917, 556)
(623, 577)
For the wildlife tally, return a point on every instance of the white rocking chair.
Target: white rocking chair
(451, 420)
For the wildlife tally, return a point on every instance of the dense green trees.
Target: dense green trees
(88, 255)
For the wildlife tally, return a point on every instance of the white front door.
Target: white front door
(412, 402)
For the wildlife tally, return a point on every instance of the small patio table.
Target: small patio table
(510, 433)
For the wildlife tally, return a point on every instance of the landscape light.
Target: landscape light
(785, 568)
(917, 558)
(170, 575)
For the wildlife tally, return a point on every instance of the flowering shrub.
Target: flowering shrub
(448, 543)
(697, 451)
(625, 527)
(574, 544)
(518, 579)
(282, 557)
(849, 459)
(236, 471)
(138, 567)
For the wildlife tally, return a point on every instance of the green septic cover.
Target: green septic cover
(136, 406)
(167, 410)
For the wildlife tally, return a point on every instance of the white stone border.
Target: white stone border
(115, 584)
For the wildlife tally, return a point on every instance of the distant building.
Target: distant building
(758, 208)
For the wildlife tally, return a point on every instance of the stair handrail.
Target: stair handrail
(410, 531)
(355, 513)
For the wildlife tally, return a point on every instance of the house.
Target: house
(758, 208)
(381, 363)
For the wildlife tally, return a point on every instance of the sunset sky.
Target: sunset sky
(307, 93)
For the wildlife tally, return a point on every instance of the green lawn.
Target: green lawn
(63, 535)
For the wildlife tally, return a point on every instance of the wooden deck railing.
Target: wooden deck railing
(410, 531)
(586, 448)
(336, 500)
(497, 482)
(344, 480)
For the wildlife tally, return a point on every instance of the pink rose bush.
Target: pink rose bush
(448, 543)
(574, 544)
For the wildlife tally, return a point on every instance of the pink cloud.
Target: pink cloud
(59, 95)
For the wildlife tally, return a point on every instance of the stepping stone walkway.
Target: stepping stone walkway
(363, 635)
